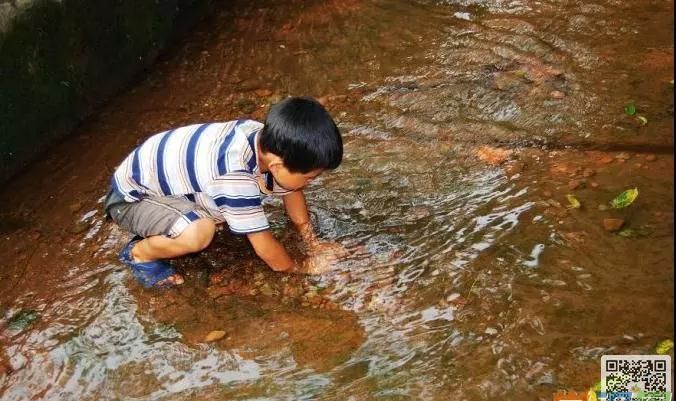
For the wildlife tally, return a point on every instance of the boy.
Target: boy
(173, 189)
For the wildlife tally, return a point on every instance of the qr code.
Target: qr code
(630, 377)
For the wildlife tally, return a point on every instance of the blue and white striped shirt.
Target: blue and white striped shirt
(214, 165)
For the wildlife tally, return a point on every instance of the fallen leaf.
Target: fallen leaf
(574, 203)
(643, 120)
(664, 347)
(624, 199)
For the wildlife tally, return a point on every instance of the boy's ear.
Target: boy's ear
(275, 165)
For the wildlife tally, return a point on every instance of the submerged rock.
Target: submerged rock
(612, 225)
(493, 155)
(214, 336)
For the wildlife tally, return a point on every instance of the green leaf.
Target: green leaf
(22, 320)
(643, 120)
(574, 203)
(630, 109)
(597, 386)
(627, 233)
(664, 347)
(624, 199)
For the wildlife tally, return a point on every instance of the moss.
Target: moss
(59, 60)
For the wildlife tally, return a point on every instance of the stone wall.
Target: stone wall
(59, 59)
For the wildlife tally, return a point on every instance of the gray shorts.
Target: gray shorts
(168, 216)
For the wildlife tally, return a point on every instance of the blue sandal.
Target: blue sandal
(147, 274)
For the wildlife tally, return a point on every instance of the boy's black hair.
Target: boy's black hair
(303, 134)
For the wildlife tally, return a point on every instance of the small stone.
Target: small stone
(493, 155)
(612, 225)
(588, 172)
(547, 194)
(35, 235)
(594, 184)
(214, 336)
(490, 331)
(267, 291)
(606, 160)
(575, 184)
(547, 379)
(651, 158)
(554, 203)
(515, 168)
(263, 92)
(75, 207)
(603, 207)
(623, 156)
(79, 227)
(452, 297)
(638, 165)
(557, 94)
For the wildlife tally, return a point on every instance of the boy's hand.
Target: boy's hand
(314, 264)
(321, 257)
(332, 249)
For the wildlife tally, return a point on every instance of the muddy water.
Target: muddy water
(466, 124)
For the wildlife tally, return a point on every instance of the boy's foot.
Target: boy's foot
(149, 274)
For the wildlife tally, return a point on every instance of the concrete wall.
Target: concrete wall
(59, 59)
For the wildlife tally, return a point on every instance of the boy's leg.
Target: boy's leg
(196, 236)
(171, 227)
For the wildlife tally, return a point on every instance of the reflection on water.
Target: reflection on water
(468, 281)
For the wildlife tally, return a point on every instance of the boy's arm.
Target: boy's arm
(296, 209)
(271, 251)
(275, 255)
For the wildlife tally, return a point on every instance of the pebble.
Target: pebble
(557, 94)
(651, 158)
(490, 331)
(623, 156)
(606, 159)
(79, 227)
(214, 336)
(612, 225)
(515, 168)
(594, 184)
(588, 172)
(263, 92)
(75, 207)
(452, 297)
(575, 184)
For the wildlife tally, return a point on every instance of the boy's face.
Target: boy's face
(292, 181)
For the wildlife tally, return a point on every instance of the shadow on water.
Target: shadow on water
(465, 126)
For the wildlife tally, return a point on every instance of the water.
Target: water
(469, 280)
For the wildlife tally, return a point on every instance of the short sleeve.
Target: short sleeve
(238, 199)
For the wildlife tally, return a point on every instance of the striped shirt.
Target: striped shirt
(213, 165)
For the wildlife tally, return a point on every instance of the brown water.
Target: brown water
(473, 280)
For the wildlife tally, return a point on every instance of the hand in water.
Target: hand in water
(321, 257)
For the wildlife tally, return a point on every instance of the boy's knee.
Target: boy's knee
(198, 235)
